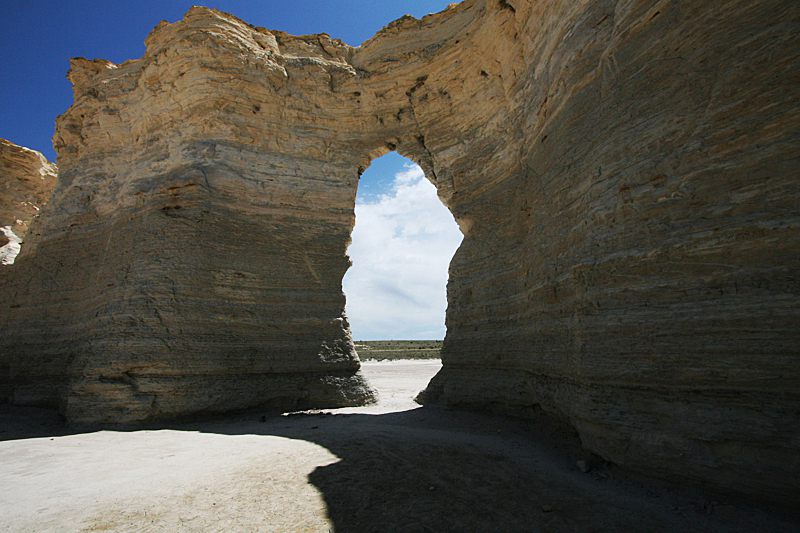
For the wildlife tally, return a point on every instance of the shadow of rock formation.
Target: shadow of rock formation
(443, 470)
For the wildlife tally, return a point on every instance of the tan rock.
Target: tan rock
(26, 183)
(624, 173)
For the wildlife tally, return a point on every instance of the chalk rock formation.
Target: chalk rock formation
(26, 183)
(624, 173)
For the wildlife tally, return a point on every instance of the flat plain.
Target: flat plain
(398, 350)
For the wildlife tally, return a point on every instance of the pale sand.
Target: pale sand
(389, 467)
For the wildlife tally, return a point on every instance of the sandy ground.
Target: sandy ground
(389, 467)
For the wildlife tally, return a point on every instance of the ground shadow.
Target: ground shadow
(18, 422)
(434, 469)
(423, 470)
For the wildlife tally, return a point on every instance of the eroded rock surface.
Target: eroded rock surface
(26, 183)
(624, 172)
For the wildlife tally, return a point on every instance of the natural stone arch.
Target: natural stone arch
(624, 174)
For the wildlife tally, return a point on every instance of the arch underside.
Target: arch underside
(624, 176)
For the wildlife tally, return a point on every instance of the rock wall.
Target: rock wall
(26, 183)
(624, 173)
(635, 269)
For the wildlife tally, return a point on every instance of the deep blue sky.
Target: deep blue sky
(37, 38)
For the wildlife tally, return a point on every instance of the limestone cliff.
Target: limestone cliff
(624, 173)
(26, 183)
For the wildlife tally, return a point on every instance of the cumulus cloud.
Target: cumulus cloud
(402, 245)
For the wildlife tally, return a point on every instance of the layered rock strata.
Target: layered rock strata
(26, 183)
(624, 173)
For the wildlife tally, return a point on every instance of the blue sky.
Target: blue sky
(404, 237)
(37, 38)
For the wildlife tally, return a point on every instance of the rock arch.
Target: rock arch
(624, 174)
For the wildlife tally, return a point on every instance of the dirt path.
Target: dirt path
(389, 467)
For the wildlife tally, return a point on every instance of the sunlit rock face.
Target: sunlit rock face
(26, 183)
(625, 174)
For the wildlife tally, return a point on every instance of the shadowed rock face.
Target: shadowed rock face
(624, 172)
(26, 182)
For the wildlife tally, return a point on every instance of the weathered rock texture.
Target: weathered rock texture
(26, 183)
(624, 172)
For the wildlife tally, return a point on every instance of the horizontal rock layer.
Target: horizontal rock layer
(624, 173)
(26, 183)
(636, 272)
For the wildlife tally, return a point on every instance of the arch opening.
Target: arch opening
(402, 244)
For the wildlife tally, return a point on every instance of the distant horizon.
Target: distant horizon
(398, 340)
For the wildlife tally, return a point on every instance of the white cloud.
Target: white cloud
(402, 245)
